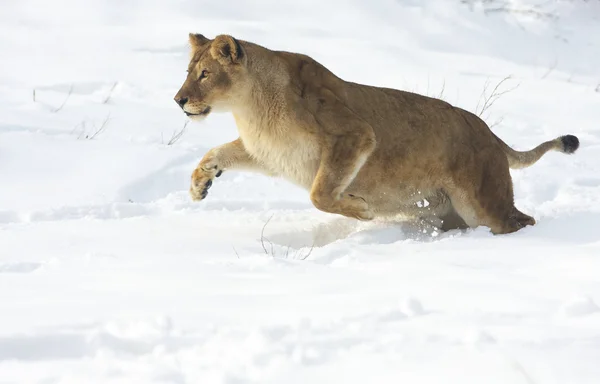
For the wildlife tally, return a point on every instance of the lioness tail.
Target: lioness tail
(517, 159)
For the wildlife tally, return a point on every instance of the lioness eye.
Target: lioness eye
(203, 74)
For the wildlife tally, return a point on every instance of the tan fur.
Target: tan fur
(361, 151)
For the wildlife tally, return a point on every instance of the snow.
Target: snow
(109, 273)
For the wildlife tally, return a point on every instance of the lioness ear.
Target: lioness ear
(227, 50)
(197, 40)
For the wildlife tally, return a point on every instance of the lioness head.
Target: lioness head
(215, 76)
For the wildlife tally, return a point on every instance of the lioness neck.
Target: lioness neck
(262, 105)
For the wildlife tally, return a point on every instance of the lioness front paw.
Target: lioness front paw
(202, 179)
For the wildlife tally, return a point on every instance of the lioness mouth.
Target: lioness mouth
(206, 111)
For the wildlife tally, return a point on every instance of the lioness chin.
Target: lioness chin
(361, 151)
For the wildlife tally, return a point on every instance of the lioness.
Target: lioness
(361, 151)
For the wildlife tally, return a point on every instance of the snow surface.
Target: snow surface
(109, 273)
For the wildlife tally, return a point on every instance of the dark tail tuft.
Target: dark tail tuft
(570, 143)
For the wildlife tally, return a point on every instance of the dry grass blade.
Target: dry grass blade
(66, 99)
(82, 132)
(441, 94)
(177, 134)
(551, 68)
(271, 250)
(102, 128)
(497, 122)
(495, 95)
(309, 252)
(263, 238)
(110, 92)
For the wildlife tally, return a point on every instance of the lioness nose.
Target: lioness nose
(181, 101)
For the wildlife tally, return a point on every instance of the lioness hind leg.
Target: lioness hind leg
(452, 220)
(439, 212)
(485, 197)
(340, 163)
(522, 218)
(476, 212)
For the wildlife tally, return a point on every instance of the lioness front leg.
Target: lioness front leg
(232, 155)
(341, 161)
